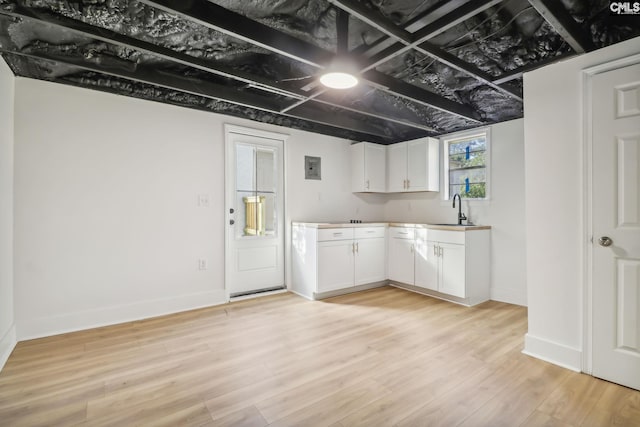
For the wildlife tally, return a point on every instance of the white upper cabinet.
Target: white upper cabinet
(368, 168)
(397, 167)
(413, 166)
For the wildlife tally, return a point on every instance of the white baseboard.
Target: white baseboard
(7, 344)
(552, 352)
(47, 326)
(509, 296)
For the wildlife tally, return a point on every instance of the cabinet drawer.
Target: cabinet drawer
(401, 233)
(325, 234)
(368, 232)
(446, 236)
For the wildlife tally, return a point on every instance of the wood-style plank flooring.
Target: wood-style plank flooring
(385, 357)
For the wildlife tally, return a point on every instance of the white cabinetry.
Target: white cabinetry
(401, 250)
(368, 168)
(413, 166)
(453, 265)
(334, 260)
(426, 264)
(370, 255)
(335, 265)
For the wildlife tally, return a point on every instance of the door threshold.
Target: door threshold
(258, 294)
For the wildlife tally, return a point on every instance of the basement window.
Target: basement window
(466, 165)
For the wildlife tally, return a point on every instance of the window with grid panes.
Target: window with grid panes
(466, 165)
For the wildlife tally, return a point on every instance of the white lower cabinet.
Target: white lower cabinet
(337, 259)
(335, 265)
(401, 250)
(453, 264)
(370, 258)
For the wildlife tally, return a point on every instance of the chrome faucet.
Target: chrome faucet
(461, 216)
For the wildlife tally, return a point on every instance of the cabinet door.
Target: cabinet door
(396, 167)
(357, 168)
(335, 265)
(401, 262)
(417, 165)
(426, 259)
(375, 159)
(452, 270)
(370, 265)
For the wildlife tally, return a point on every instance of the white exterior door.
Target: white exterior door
(255, 211)
(616, 225)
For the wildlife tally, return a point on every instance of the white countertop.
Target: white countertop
(451, 227)
(340, 224)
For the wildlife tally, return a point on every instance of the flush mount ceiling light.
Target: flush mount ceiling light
(342, 72)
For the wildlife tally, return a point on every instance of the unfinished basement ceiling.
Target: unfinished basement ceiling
(428, 67)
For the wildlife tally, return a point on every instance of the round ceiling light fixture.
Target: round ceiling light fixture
(341, 74)
(338, 80)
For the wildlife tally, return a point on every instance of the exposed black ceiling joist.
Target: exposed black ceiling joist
(236, 25)
(564, 24)
(418, 41)
(201, 64)
(428, 99)
(518, 72)
(199, 87)
(413, 25)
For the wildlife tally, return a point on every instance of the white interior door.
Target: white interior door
(616, 225)
(255, 211)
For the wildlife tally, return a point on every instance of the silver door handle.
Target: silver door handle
(605, 241)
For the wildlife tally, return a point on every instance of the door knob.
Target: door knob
(231, 222)
(605, 241)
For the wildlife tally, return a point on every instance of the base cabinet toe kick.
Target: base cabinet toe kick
(332, 259)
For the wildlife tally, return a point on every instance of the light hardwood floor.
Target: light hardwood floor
(385, 357)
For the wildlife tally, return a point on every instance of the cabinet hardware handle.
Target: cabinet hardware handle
(357, 247)
(412, 247)
(435, 249)
(440, 251)
(403, 232)
(367, 184)
(337, 234)
(408, 184)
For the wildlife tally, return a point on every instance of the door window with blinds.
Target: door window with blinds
(466, 165)
(256, 190)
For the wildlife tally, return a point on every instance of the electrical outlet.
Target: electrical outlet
(202, 264)
(203, 200)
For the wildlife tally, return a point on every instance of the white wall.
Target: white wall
(7, 324)
(554, 168)
(107, 224)
(504, 212)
